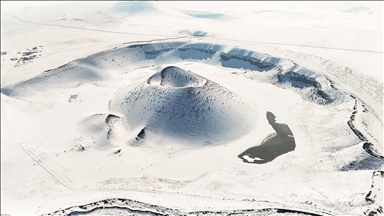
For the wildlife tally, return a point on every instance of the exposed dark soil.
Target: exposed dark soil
(132, 207)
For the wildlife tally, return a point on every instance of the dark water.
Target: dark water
(273, 146)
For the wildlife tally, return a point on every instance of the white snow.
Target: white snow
(154, 101)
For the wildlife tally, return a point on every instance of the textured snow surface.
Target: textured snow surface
(182, 105)
(119, 108)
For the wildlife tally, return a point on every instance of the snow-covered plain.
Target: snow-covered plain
(153, 102)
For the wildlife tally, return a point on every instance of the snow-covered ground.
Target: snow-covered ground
(153, 102)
